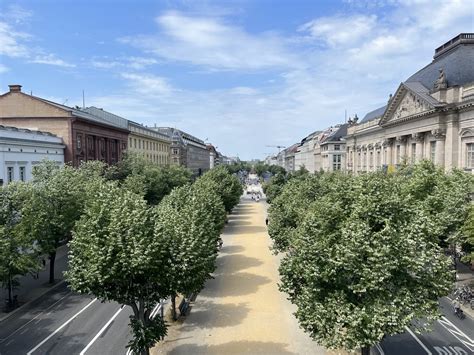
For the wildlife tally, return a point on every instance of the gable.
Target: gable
(409, 100)
(16, 105)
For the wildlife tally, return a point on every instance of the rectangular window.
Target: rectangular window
(135, 143)
(365, 161)
(10, 175)
(379, 161)
(398, 155)
(22, 173)
(433, 151)
(413, 152)
(359, 160)
(337, 147)
(470, 155)
(79, 142)
(371, 161)
(336, 162)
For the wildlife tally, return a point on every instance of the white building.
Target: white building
(430, 116)
(304, 155)
(21, 149)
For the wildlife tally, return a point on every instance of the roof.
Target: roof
(374, 114)
(457, 64)
(106, 116)
(422, 91)
(93, 115)
(336, 135)
(15, 133)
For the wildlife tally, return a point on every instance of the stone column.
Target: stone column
(401, 141)
(452, 152)
(387, 157)
(419, 139)
(440, 136)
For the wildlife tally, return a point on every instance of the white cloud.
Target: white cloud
(341, 30)
(11, 41)
(51, 59)
(147, 84)
(16, 14)
(214, 44)
(137, 63)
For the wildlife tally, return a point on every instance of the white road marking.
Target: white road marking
(31, 320)
(101, 331)
(418, 341)
(61, 327)
(379, 348)
(457, 333)
(152, 315)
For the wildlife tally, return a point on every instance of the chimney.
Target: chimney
(15, 88)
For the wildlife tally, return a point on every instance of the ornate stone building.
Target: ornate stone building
(86, 136)
(430, 116)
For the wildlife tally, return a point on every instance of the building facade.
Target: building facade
(187, 150)
(304, 155)
(155, 146)
(430, 116)
(22, 149)
(86, 136)
(332, 150)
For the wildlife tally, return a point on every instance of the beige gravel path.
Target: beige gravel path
(241, 311)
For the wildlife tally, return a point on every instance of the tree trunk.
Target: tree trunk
(173, 306)
(365, 350)
(52, 259)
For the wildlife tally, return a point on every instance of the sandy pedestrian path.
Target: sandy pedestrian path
(241, 311)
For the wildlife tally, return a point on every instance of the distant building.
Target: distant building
(86, 136)
(155, 146)
(304, 155)
(430, 116)
(187, 150)
(332, 150)
(21, 149)
(214, 156)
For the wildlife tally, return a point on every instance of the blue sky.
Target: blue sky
(244, 74)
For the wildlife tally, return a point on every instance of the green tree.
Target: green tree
(18, 255)
(147, 179)
(115, 255)
(189, 219)
(54, 205)
(363, 263)
(274, 186)
(228, 186)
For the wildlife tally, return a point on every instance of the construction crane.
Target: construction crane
(276, 146)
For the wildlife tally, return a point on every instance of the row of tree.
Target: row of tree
(365, 255)
(138, 233)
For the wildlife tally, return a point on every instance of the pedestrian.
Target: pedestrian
(266, 221)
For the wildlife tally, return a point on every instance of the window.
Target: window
(175, 151)
(413, 152)
(135, 143)
(79, 142)
(371, 161)
(22, 173)
(433, 151)
(397, 160)
(359, 160)
(470, 155)
(336, 162)
(337, 147)
(139, 144)
(10, 175)
(379, 161)
(365, 160)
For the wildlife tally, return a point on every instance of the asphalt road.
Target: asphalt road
(62, 322)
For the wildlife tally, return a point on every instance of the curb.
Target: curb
(8, 315)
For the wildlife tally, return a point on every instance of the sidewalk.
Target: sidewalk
(31, 288)
(465, 276)
(241, 311)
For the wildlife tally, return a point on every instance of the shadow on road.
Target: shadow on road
(237, 284)
(237, 229)
(237, 262)
(232, 249)
(233, 347)
(215, 315)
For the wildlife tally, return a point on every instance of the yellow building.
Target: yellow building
(153, 145)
